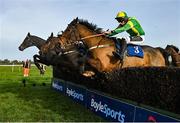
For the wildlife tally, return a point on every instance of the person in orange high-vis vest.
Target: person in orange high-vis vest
(26, 68)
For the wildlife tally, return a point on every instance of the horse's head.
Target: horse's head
(31, 40)
(78, 29)
(174, 52)
(172, 49)
(26, 43)
(70, 34)
(52, 46)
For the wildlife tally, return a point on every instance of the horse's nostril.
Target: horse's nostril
(20, 48)
(40, 52)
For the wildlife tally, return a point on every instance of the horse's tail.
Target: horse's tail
(167, 56)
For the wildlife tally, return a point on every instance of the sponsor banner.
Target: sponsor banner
(110, 109)
(106, 107)
(77, 93)
(59, 85)
(144, 115)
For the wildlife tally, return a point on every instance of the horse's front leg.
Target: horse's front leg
(37, 61)
(86, 73)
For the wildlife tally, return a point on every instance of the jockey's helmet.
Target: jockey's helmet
(121, 14)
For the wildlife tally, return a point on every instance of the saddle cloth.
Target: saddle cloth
(135, 50)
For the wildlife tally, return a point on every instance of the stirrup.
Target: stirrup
(117, 55)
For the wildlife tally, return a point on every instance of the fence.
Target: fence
(107, 107)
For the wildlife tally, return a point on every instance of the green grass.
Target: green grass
(36, 103)
(7, 76)
(41, 103)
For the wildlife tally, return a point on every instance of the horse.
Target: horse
(50, 53)
(174, 52)
(31, 40)
(68, 56)
(41, 44)
(100, 48)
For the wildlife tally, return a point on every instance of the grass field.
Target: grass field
(36, 103)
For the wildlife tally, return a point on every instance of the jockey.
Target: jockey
(131, 26)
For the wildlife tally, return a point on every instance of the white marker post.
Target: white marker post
(13, 67)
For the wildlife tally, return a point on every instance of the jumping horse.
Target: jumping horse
(100, 48)
(68, 56)
(174, 52)
(42, 45)
(50, 53)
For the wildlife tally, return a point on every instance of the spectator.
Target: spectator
(26, 67)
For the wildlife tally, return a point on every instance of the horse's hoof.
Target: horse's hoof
(88, 73)
(42, 71)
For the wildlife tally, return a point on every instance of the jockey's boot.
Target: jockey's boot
(123, 49)
(117, 45)
(116, 53)
(120, 53)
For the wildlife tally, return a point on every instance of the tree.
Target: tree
(15, 62)
(6, 61)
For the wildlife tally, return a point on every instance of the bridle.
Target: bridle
(78, 39)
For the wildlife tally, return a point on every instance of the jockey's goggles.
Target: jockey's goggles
(120, 19)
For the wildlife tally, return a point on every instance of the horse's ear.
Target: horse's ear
(28, 34)
(76, 20)
(51, 34)
(167, 46)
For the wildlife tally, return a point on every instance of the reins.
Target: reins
(91, 48)
(69, 52)
(91, 36)
(98, 45)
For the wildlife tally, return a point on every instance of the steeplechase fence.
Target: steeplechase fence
(107, 107)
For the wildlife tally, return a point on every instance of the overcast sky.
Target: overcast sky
(159, 18)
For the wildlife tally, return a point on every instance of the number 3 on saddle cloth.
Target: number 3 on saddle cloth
(135, 50)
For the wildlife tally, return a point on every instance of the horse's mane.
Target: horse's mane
(90, 25)
(174, 47)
